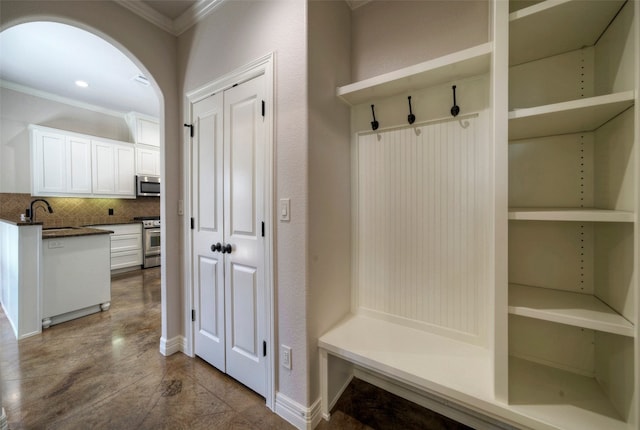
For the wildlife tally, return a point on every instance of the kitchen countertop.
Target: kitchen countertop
(19, 223)
(58, 232)
(112, 223)
(68, 231)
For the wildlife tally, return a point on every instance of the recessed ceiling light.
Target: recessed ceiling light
(82, 84)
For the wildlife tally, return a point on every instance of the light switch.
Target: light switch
(285, 210)
(180, 207)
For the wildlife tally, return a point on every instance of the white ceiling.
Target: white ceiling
(50, 57)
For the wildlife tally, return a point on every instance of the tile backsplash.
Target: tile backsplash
(73, 211)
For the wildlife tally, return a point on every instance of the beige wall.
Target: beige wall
(390, 34)
(329, 176)
(152, 50)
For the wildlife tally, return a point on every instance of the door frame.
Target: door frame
(261, 66)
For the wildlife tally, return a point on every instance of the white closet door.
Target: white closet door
(207, 264)
(228, 207)
(244, 147)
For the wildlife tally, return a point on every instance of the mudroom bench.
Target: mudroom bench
(451, 377)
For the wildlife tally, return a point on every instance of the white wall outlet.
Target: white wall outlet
(285, 210)
(285, 356)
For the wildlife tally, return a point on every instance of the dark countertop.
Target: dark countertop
(19, 223)
(113, 223)
(58, 232)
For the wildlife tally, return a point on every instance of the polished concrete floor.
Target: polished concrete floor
(104, 371)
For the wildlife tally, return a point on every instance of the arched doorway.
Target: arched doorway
(41, 61)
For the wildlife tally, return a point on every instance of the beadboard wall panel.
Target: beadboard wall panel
(423, 225)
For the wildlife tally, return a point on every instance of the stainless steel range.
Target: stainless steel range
(150, 241)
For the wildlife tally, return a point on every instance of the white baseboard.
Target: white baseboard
(173, 345)
(300, 417)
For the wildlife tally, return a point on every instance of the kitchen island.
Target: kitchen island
(76, 273)
(52, 275)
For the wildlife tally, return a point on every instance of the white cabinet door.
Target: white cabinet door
(124, 170)
(113, 169)
(147, 161)
(147, 132)
(49, 166)
(103, 168)
(79, 165)
(61, 164)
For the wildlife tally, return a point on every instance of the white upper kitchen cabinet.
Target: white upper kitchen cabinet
(61, 163)
(147, 160)
(144, 129)
(113, 169)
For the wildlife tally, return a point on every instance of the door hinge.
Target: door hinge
(263, 108)
(190, 129)
(264, 348)
(262, 228)
(193, 223)
(193, 315)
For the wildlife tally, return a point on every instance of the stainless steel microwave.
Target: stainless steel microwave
(148, 186)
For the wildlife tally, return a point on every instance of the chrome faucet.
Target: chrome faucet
(32, 213)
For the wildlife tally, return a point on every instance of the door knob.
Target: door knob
(217, 247)
(226, 249)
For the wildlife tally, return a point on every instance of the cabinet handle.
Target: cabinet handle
(227, 249)
(217, 247)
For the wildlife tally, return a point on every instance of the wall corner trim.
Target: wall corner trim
(299, 416)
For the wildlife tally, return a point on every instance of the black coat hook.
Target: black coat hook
(455, 109)
(411, 118)
(374, 123)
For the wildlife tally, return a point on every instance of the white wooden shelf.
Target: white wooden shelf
(570, 214)
(557, 26)
(566, 307)
(459, 65)
(568, 400)
(567, 117)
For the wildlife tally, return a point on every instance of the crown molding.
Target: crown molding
(59, 99)
(177, 26)
(194, 14)
(148, 13)
(355, 4)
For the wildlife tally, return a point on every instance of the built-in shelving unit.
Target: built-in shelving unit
(570, 214)
(573, 222)
(568, 117)
(458, 65)
(573, 163)
(554, 27)
(425, 333)
(566, 307)
(565, 400)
